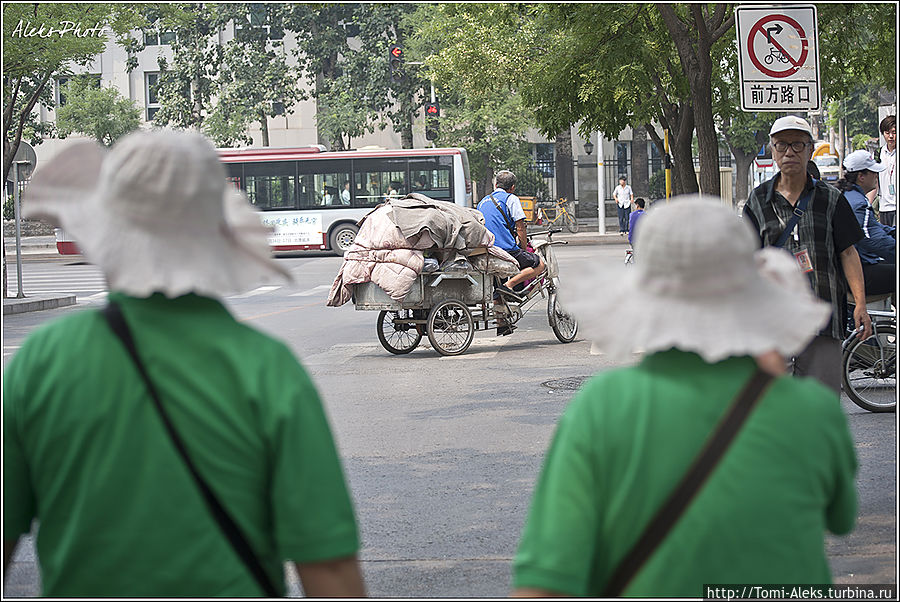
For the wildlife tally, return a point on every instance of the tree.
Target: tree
(101, 113)
(255, 81)
(31, 61)
(343, 48)
(694, 31)
(186, 86)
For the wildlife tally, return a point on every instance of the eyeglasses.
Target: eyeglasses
(797, 147)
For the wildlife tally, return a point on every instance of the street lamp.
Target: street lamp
(588, 147)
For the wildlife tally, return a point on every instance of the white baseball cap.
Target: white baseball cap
(791, 122)
(860, 160)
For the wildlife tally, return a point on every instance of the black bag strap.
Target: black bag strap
(113, 315)
(799, 210)
(684, 493)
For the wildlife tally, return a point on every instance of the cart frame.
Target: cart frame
(449, 306)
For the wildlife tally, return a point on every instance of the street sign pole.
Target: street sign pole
(21, 293)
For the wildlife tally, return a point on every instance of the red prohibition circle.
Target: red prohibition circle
(795, 66)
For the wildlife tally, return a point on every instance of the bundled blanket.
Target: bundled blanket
(389, 247)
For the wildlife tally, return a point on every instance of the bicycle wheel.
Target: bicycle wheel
(450, 327)
(571, 223)
(563, 323)
(869, 370)
(397, 335)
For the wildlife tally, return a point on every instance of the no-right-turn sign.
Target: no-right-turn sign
(778, 58)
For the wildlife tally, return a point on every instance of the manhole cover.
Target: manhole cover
(573, 383)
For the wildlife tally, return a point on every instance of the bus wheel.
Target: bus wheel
(342, 237)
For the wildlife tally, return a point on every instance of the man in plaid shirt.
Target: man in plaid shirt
(822, 241)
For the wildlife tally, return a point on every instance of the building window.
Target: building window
(155, 37)
(65, 79)
(543, 159)
(151, 81)
(258, 17)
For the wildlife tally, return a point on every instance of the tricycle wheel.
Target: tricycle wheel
(396, 334)
(562, 322)
(450, 327)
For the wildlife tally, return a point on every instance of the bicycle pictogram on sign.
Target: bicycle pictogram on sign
(775, 34)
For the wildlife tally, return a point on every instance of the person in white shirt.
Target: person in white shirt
(887, 179)
(345, 194)
(624, 199)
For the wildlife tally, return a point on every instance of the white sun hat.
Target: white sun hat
(699, 284)
(156, 214)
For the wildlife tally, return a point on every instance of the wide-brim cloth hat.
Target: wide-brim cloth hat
(156, 214)
(699, 284)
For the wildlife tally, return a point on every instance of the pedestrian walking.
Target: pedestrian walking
(624, 198)
(164, 448)
(887, 179)
(634, 218)
(614, 512)
(815, 223)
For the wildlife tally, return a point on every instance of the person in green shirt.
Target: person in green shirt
(85, 454)
(706, 311)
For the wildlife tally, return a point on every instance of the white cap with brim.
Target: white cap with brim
(860, 160)
(791, 122)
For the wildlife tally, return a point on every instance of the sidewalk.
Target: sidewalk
(32, 248)
(587, 234)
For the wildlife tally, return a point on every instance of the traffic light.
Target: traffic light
(395, 59)
(432, 120)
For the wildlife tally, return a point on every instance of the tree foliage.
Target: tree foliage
(255, 81)
(31, 62)
(101, 113)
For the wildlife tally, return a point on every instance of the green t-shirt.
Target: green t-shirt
(86, 454)
(627, 439)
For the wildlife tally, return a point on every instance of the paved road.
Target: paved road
(441, 452)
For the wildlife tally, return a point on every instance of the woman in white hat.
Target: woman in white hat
(711, 315)
(88, 450)
(878, 250)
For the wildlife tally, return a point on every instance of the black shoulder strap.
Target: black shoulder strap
(681, 496)
(116, 320)
(506, 218)
(799, 210)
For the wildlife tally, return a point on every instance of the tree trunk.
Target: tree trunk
(565, 175)
(264, 128)
(406, 132)
(707, 138)
(680, 120)
(640, 165)
(743, 162)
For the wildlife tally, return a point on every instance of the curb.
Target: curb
(16, 305)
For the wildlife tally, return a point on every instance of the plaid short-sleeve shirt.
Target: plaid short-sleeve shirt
(826, 229)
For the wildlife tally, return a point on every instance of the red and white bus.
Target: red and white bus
(313, 198)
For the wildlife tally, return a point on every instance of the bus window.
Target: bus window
(324, 184)
(378, 180)
(432, 177)
(271, 185)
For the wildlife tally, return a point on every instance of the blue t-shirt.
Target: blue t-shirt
(494, 220)
(632, 223)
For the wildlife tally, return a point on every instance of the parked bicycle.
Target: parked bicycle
(869, 367)
(557, 213)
